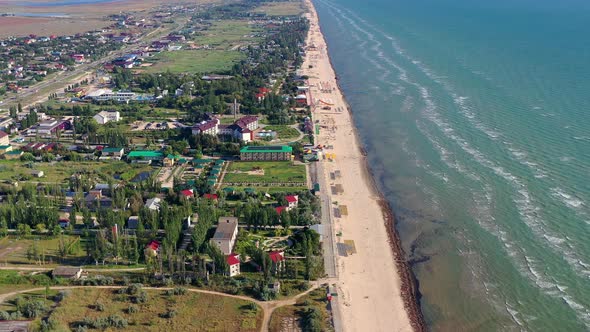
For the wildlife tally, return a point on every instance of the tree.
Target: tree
(23, 229)
(27, 157)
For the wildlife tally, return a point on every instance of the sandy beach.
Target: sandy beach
(374, 284)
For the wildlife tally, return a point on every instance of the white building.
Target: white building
(226, 234)
(233, 261)
(210, 127)
(108, 94)
(107, 116)
(153, 204)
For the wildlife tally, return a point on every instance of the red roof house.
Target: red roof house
(277, 256)
(292, 201)
(280, 209)
(188, 193)
(154, 245)
(210, 196)
(234, 264)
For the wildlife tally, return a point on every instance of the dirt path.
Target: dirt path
(268, 307)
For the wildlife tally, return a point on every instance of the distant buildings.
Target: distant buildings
(112, 153)
(107, 116)
(266, 153)
(50, 127)
(145, 156)
(233, 262)
(242, 129)
(226, 234)
(68, 272)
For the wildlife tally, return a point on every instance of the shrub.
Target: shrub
(33, 309)
(179, 291)
(117, 321)
(99, 306)
(134, 289)
(169, 314)
(132, 309)
(141, 297)
(4, 315)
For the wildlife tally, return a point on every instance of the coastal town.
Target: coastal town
(195, 167)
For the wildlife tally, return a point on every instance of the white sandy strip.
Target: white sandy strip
(368, 280)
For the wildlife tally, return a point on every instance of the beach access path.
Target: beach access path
(368, 282)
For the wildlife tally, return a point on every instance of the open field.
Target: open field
(22, 26)
(294, 314)
(284, 132)
(14, 251)
(194, 311)
(194, 61)
(265, 172)
(58, 172)
(284, 8)
(226, 34)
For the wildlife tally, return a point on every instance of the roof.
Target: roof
(210, 196)
(276, 256)
(4, 147)
(3, 134)
(144, 154)
(66, 271)
(111, 150)
(291, 198)
(19, 152)
(187, 193)
(280, 209)
(233, 259)
(225, 228)
(154, 245)
(266, 148)
(207, 125)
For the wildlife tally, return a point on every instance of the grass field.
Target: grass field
(295, 313)
(226, 34)
(194, 61)
(284, 132)
(14, 251)
(265, 172)
(223, 38)
(58, 172)
(194, 311)
(283, 8)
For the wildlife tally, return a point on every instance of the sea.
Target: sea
(476, 119)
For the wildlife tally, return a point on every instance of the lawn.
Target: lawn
(295, 313)
(194, 311)
(284, 132)
(226, 34)
(59, 172)
(283, 8)
(195, 61)
(14, 251)
(269, 173)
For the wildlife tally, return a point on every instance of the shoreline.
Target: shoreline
(408, 284)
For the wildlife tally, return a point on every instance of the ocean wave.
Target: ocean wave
(567, 199)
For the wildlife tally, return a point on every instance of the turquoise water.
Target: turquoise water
(476, 119)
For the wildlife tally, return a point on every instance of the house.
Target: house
(153, 204)
(112, 153)
(152, 249)
(68, 272)
(14, 154)
(187, 193)
(212, 197)
(278, 260)
(132, 222)
(210, 127)
(233, 261)
(280, 209)
(266, 153)
(170, 160)
(4, 138)
(226, 234)
(107, 116)
(5, 148)
(52, 126)
(292, 201)
(64, 223)
(301, 100)
(78, 58)
(37, 174)
(145, 156)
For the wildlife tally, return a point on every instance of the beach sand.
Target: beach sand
(375, 285)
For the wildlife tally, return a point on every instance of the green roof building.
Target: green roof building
(145, 155)
(266, 153)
